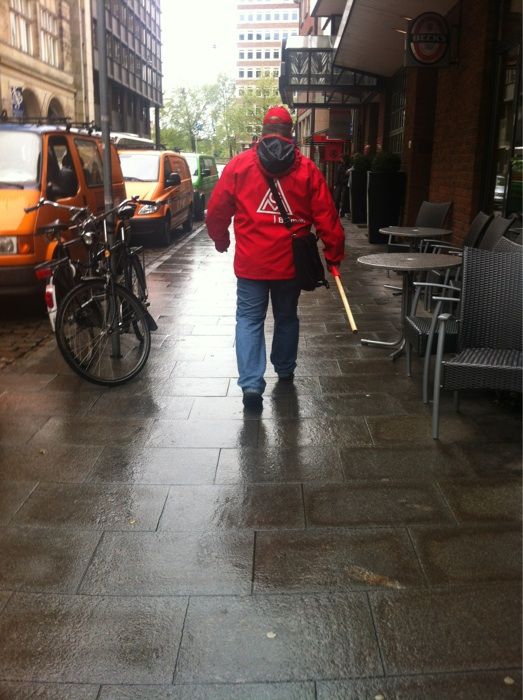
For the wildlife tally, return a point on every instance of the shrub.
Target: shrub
(386, 162)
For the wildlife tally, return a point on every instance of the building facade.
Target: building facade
(49, 57)
(447, 101)
(37, 71)
(261, 28)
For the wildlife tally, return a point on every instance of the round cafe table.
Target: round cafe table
(407, 264)
(414, 234)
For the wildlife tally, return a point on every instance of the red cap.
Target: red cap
(277, 115)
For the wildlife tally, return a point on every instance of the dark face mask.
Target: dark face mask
(276, 155)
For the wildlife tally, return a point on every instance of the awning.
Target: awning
(309, 78)
(371, 37)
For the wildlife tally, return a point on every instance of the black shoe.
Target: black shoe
(252, 400)
(286, 377)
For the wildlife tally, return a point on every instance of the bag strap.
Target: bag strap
(279, 202)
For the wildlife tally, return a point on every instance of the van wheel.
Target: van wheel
(198, 208)
(187, 224)
(164, 231)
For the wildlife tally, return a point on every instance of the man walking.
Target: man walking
(263, 261)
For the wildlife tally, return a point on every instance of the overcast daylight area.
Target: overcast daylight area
(198, 41)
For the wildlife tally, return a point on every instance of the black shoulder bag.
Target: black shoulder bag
(310, 272)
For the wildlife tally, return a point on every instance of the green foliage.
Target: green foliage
(361, 163)
(213, 119)
(386, 162)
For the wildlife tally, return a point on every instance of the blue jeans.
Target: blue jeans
(252, 301)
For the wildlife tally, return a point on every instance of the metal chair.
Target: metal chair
(489, 334)
(497, 228)
(421, 330)
(474, 234)
(430, 215)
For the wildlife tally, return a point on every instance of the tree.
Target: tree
(185, 118)
(213, 119)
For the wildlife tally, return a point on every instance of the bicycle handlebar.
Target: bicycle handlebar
(89, 217)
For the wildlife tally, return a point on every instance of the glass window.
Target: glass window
(267, 16)
(258, 55)
(91, 162)
(259, 37)
(20, 159)
(249, 73)
(21, 21)
(241, 55)
(258, 17)
(276, 16)
(276, 53)
(140, 167)
(285, 16)
(267, 54)
(276, 36)
(241, 73)
(249, 55)
(267, 36)
(508, 190)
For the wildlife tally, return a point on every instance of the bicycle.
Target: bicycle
(103, 329)
(63, 273)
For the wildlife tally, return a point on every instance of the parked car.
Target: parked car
(163, 177)
(55, 162)
(204, 178)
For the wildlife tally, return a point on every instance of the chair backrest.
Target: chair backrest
(477, 228)
(433, 214)
(491, 300)
(505, 245)
(495, 231)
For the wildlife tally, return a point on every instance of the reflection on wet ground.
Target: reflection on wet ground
(156, 541)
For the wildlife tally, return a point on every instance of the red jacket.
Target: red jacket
(263, 243)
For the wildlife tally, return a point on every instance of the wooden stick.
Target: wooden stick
(346, 304)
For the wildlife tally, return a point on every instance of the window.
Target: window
(285, 16)
(249, 73)
(258, 37)
(285, 35)
(267, 36)
(267, 54)
(267, 16)
(21, 19)
(249, 36)
(250, 18)
(241, 73)
(241, 37)
(276, 36)
(249, 55)
(275, 73)
(241, 55)
(91, 162)
(258, 55)
(259, 17)
(294, 16)
(276, 53)
(49, 36)
(242, 18)
(258, 72)
(276, 16)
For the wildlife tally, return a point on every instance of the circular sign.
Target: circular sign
(428, 38)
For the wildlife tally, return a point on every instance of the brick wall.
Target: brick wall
(461, 117)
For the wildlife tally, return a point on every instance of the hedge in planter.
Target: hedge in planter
(385, 194)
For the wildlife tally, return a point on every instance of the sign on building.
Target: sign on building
(428, 41)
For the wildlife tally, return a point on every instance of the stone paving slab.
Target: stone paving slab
(158, 542)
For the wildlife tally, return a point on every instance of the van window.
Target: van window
(140, 167)
(19, 158)
(60, 168)
(167, 170)
(192, 162)
(180, 166)
(208, 164)
(91, 162)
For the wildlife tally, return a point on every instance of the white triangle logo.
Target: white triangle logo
(268, 204)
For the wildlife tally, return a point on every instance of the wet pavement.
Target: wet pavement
(156, 542)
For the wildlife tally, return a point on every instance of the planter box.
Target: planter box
(385, 198)
(358, 196)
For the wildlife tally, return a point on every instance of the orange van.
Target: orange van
(162, 177)
(55, 162)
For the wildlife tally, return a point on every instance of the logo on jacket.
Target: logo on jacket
(269, 206)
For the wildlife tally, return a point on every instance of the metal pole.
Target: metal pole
(157, 126)
(104, 103)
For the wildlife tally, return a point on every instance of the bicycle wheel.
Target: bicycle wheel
(102, 333)
(135, 277)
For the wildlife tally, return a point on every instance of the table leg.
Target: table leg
(400, 342)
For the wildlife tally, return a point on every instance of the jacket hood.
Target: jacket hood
(276, 155)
